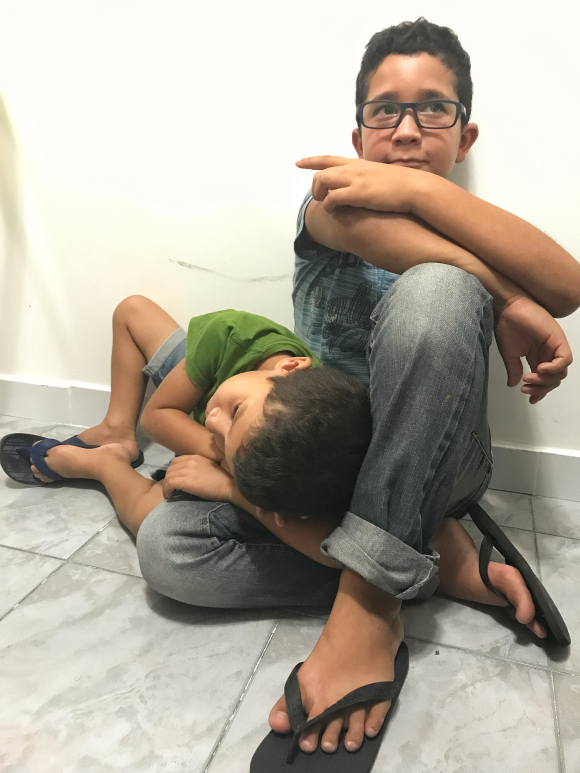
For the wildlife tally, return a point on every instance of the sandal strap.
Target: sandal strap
(36, 455)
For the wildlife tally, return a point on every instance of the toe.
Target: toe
(278, 718)
(309, 739)
(332, 733)
(375, 719)
(356, 729)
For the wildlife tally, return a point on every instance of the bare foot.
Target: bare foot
(459, 575)
(105, 434)
(357, 647)
(74, 462)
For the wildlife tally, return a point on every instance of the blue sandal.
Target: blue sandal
(20, 449)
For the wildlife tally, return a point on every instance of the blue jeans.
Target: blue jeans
(430, 456)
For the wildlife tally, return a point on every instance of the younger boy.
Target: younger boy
(270, 430)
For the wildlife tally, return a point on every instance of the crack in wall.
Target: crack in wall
(274, 278)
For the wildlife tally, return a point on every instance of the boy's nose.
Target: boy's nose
(407, 129)
(210, 419)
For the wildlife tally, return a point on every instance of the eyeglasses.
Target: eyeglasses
(431, 114)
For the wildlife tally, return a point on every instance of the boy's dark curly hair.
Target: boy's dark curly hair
(415, 37)
(304, 458)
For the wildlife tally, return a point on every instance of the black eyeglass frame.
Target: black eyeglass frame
(460, 111)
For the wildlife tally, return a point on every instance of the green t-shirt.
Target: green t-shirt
(224, 343)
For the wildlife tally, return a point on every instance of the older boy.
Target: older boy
(368, 221)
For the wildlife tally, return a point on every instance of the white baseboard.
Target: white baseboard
(528, 471)
(79, 405)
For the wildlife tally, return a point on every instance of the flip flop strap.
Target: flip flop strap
(37, 453)
(375, 692)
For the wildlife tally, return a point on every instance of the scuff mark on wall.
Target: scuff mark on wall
(275, 278)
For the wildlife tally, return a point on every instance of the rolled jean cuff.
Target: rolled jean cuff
(382, 559)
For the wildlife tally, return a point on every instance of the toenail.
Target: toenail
(371, 732)
(328, 746)
(306, 745)
(351, 746)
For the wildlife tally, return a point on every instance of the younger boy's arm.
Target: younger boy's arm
(166, 418)
(209, 480)
(506, 242)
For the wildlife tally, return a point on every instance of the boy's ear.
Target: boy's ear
(357, 142)
(288, 364)
(469, 134)
(261, 513)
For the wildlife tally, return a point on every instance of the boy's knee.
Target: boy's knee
(433, 303)
(172, 562)
(129, 307)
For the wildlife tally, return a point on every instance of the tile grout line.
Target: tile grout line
(23, 599)
(487, 656)
(241, 697)
(561, 760)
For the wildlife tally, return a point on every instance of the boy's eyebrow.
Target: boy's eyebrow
(424, 94)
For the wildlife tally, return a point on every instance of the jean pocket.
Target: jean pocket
(472, 479)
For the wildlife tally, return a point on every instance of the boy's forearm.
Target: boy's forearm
(397, 242)
(177, 431)
(507, 243)
(304, 536)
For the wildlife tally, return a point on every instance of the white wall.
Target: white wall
(136, 137)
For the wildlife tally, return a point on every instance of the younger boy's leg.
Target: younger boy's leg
(140, 327)
(134, 496)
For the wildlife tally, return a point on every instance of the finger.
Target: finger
(331, 735)
(322, 162)
(356, 729)
(554, 366)
(278, 719)
(168, 488)
(544, 379)
(337, 198)
(375, 718)
(514, 369)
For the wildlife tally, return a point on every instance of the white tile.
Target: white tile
(56, 519)
(560, 568)
(99, 674)
(560, 517)
(20, 573)
(568, 703)
(293, 641)
(10, 424)
(515, 469)
(112, 548)
(508, 509)
(462, 712)
(559, 476)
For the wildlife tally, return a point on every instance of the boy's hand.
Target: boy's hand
(525, 329)
(200, 476)
(356, 183)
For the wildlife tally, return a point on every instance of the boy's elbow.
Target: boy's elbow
(565, 304)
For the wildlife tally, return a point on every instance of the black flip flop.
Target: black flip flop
(19, 450)
(493, 537)
(278, 753)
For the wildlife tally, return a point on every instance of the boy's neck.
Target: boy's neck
(270, 362)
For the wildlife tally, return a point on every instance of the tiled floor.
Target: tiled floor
(98, 673)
